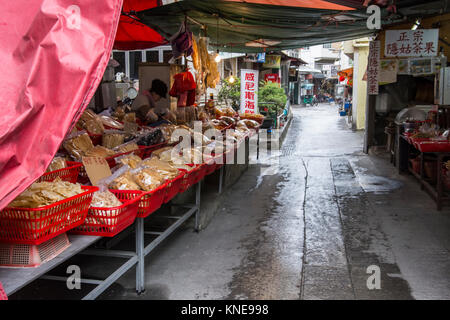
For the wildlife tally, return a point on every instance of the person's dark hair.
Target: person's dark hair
(159, 87)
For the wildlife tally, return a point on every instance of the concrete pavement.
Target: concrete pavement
(306, 229)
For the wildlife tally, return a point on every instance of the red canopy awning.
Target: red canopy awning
(133, 35)
(53, 55)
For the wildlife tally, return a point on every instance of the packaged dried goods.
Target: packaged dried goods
(105, 199)
(113, 138)
(126, 147)
(151, 138)
(251, 124)
(57, 163)
(228, 120)
(110, 122)
(160, 151)
(252, 116)
(163, 168)
(147, 178)
(91, 122)
(119, 113)
(41, 194)
(130, 160)
(78, 144)
(130, 117)
(100, 151)
(124, 182)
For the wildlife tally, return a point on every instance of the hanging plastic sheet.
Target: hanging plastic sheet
(53, 55)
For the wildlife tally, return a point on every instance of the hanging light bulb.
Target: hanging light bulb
(231, 79)
(217, 58)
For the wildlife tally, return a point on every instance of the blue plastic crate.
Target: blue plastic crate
(343, 113)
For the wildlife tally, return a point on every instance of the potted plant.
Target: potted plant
(230, 93)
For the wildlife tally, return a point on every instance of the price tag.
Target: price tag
(96, 168)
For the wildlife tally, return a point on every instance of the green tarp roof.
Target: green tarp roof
(232, 25)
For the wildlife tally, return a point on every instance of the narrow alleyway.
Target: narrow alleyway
(309, 229)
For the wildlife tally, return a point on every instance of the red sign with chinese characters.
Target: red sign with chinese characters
(411, 43)
(249, 91)
(272, 77)
(373, 67)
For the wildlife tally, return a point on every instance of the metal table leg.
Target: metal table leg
(221, 178)
(422, 175)
(140, 277)
(257, 147)
(439, 182)
(197, 203)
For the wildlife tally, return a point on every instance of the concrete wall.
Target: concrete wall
(360, 86)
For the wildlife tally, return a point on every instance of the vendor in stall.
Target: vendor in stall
(145, 105)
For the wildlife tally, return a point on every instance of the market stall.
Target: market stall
(115, 169)
(94, 175)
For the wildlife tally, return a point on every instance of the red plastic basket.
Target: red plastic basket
(433, 146)
(146, 151)
(191, 177)
(174, 187)
(69, 174)
(96, 138)
(108, 222)
(82, 175)
(210, 165)
(149, 201)
(201, 173)
(3, 295)
(219, 160)
(415, 141)
(37, 225)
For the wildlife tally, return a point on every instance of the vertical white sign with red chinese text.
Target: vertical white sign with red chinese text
(373, 67)
(249, 91)
(411, 43)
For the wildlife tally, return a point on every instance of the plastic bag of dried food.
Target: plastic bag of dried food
(251, 124)
(113, 138)
(94, 126)
(228, 120)
(147, 178)
(126, 147)
(130, 117)
(125, 181)
(78, 144)
(119, 113)
(163, 168)
(110, 122)
(91, 122)
(131, 160)
(57, 163)
(100, 151)
(150, 138)
(105, 199)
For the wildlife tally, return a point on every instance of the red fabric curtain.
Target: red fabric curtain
(53, 55)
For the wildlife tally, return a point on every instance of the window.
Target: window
(135, 59)
(119, 56)
(327, 45)
(152, 56)
(167, 54)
